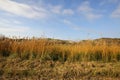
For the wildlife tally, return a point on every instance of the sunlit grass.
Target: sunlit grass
(46, 49)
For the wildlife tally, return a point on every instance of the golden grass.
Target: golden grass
(52, 50)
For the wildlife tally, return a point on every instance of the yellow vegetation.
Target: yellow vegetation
(53, 50)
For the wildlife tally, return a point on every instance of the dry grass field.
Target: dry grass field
(17, 69)
(59, 39)
(51, 59)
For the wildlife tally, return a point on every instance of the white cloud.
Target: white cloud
(17, 31)
(67, 22)
(17, 22)
(23, 10)
(60, 10)
(85, 7)
(6, 21)
(92, 16)
(10, 25)
(6, 29)
(56, 9)
(116, 13)
(68, 12)
(9, 21)
(21, 31)
(86, 10)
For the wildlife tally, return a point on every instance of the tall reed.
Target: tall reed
(55, 50)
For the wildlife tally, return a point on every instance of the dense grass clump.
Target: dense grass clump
(58, 50)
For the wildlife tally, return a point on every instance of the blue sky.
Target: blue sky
(61, 19)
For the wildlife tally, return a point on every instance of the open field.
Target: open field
(17, 69)
(51, 59)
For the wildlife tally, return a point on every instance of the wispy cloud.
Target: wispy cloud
(10, 25)
(79, 28)
(68, 12)
(112, 1)
(70, 24)
(17, 22)
(6, 29)
(67, 22)
(86, 10)
(116, 13)
(11, 30)
(23, 10)
(60, 10)
(104, 2)
(56, 9)
(9, 21)
(33, 11)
